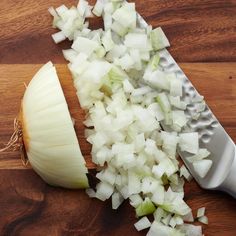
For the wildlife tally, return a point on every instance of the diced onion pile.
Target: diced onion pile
(127, 95)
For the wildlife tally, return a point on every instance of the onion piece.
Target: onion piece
(117, 200)
(98, 8)
(51, 144)
(189, 142)
(203, 219)
(58, 37)
(156, 79)
(136, 40)
(159, 214)
(188, 217)
(201, 212)
(202, 154)
(135, 200)
(163, 230)
(159, 40)
(107, 41)
(202, 167)
(191, 230)
(164, 102)
(184, 172)
(84, 45)
(126, 15)
(145, 208)
(154, 62)
(143, 223)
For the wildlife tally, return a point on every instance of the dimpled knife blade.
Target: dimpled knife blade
(212, 136)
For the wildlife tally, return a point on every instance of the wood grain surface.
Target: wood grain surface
(203, 38)
(199, 31)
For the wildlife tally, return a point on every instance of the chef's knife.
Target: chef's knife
(212, 136)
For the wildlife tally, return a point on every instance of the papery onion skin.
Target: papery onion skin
(25, 135)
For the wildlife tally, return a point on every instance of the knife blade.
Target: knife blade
(212, 136)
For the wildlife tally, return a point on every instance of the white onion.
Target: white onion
(58, 37)
(203, 219)
(184, 172)
(49, 137)
(135, 200)
(84, 45)
(189, 142)
(191, 230)
(202, 167)
(98, 8)
(201, 212)
(126, 15)
(143, 223)
(188, 217)
(159, 214)
(166, 220)
(162, 230)
(117, 200)
(159, 40)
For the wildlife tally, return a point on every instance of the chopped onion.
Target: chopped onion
(107, 41)
(189, 142)
(135, 200)
(98, 8)
(164, 102)
(159, 40)
(143, 223)
(154, 62)
(203, 219)
(159, 214)
(104, 191)
(117, 200)
(202, 154)
(176, 86)
(188, 217)
(91, 193)
(179, 120)
(126, 95)
(166, 220)
(158, 195)
(202, 167)
(157, 79)
(191, 230)
(84, 45)
(184, 172)
(145, 208)
(201, 212)
(162, 230)
(61, 10)
(136, 40)
(126, 15)
(84, 8)
(58, 37)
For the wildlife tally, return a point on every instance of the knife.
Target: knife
(212, 136)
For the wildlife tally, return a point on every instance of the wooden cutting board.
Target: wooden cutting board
(203, 36)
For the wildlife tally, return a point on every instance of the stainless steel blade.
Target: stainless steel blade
(212, 135)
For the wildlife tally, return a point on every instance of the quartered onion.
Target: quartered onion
(49, 137)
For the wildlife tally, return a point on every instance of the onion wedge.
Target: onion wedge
(49, 137)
